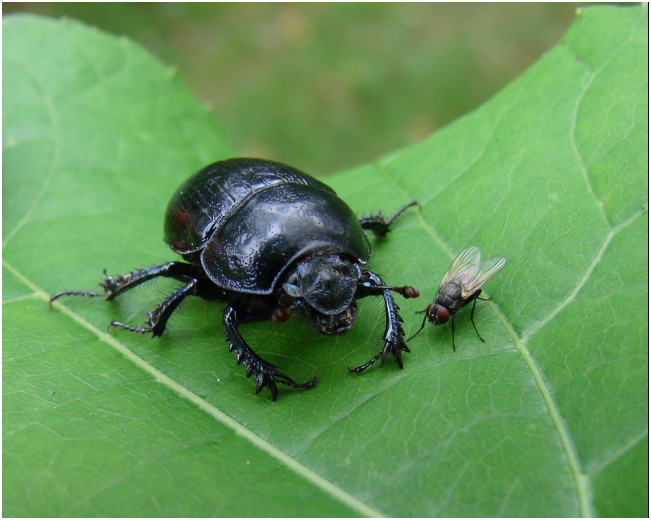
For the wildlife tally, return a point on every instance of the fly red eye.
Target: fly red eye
(443, 315)
(429, 308)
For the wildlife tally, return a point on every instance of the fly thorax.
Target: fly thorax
(450, 297)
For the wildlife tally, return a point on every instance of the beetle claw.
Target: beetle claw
(361, 368)
(270, 375)
(264, 374)
(398, 358)
(141, 330)
(286, 380)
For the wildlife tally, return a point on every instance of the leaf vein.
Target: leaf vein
(581, 163)
(581, 482)
(611, 458)
(53, 164)
(284, 458)
(584, 279)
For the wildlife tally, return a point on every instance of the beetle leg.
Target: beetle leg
(380, 225)
(158, 317)
(394, 341)
(114, 286)
(264, 373)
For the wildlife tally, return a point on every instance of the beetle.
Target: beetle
(269, 240)
(461, 284)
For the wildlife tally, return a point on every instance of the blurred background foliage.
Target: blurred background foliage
(327, 86)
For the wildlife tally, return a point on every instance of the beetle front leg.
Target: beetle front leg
(394, 341)
(264, 373)
(380, 225)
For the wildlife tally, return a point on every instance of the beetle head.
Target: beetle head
(326, 284)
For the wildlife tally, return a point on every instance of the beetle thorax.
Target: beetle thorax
(449, 296)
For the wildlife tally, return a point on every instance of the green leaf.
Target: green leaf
(547, 418)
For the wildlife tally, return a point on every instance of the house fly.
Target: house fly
(461, 285)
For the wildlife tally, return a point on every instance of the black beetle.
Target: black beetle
(268, 239)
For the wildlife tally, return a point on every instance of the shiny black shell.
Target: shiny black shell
(245, 221)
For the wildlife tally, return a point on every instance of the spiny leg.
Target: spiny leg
(114, 286)
(157, 319)
(91, 294)
(264, 373)
(394, 341)
(379, 225)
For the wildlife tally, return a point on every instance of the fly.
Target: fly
(461, 285)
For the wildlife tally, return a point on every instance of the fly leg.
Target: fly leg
(394, 341)
(472, 315)
(157, 319)
(380, 225)
(422, 326)
(264, 373)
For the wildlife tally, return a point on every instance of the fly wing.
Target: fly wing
(485, 271)
(464, 264)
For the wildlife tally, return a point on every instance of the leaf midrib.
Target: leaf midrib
(284, 458)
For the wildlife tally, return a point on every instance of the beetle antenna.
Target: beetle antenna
(406, 291)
